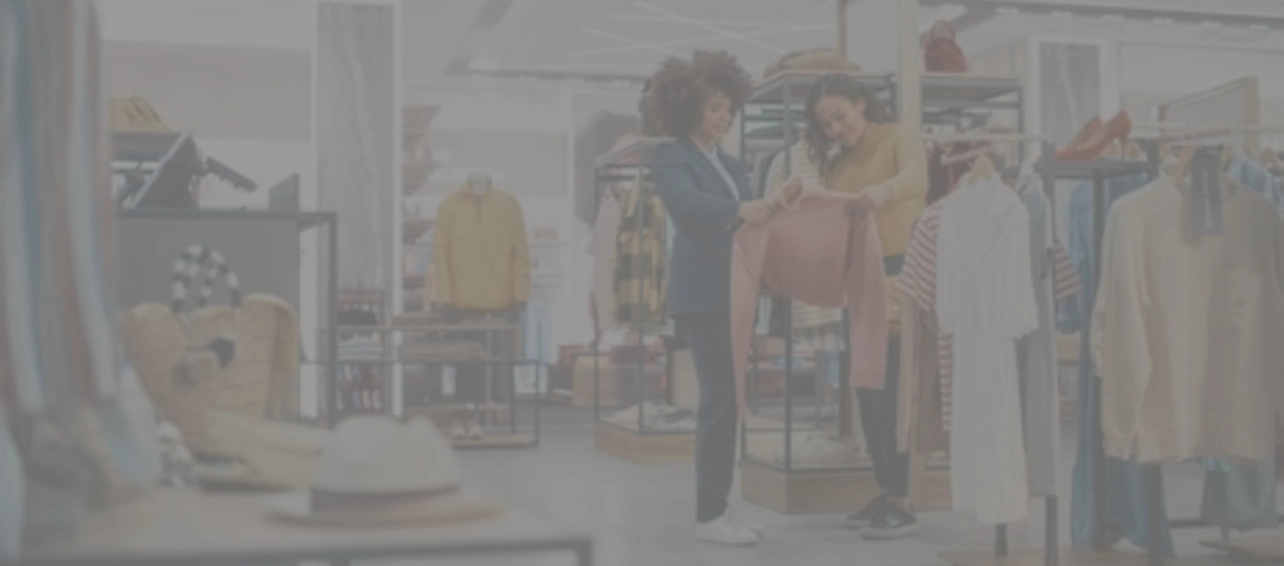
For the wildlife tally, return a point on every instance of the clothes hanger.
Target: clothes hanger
(1134, 152)
(1184, 157)
(982, 169)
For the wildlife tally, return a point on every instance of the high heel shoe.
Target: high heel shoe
(1117, 128)
(1088, 130)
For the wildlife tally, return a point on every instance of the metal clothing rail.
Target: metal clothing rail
(1098, 172)
(628, 164)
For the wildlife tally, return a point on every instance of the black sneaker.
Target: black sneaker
(894, 523)
(872, 510)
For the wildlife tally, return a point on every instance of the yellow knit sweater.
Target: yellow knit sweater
(888, 155)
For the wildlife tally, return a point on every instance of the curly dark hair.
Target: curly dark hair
(819, 147)
(675, 95)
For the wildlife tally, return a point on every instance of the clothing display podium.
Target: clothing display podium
(651, 431)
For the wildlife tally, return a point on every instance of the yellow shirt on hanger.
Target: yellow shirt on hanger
(481, 258)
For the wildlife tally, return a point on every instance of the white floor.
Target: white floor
(642, 515)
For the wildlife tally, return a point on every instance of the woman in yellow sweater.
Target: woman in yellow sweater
(858, 149)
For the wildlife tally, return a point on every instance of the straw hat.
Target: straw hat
(277, 455)
(376, 471)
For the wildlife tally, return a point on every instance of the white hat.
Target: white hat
(377, 471)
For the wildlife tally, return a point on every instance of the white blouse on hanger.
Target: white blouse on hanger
(985, 298)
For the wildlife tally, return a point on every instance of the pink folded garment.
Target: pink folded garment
(813, 251)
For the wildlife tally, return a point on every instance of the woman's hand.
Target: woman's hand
(792, 188)
(755, 212)
(869, 200)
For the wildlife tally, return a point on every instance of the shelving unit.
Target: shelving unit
(500, 418)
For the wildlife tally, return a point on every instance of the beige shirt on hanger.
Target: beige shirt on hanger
(1186, 329)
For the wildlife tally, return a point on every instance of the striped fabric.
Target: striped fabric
(918, 281)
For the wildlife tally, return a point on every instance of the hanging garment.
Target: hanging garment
(1036, 352)
(918, 281)
(783, 167)
(642, 259)
(796, 254)
(88, 434)
(1183, 331)
(1126, 513)
(985, 298)
(1237, 494)
(1249, 173)
(602, 249)
(481, 257)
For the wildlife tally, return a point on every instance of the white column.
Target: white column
(909, 90)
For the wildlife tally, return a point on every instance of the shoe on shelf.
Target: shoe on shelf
(726, 531)
(1085, 133)
(894, 523)
(861, 519)
(1091, 149)
(474, 430)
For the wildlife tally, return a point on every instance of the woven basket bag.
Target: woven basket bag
(229, 357)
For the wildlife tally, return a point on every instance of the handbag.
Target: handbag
(942, 53)
(231, 357)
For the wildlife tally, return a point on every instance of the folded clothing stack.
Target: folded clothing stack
(442, 350)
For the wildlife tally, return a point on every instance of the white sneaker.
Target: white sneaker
(727, 532)
(741, 521)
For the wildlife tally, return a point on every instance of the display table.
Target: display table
(189, 528)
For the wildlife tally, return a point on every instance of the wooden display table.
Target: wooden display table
(169, 528)
(650, 447)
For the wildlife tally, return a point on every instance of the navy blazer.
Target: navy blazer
(705, 217)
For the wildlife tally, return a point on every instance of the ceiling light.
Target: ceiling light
(1061, 14)
(1258, 27)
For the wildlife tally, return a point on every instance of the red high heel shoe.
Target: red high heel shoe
(1117, 128)
(1088, 130)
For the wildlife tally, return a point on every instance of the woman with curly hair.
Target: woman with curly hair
(707, 195)
(859, 149)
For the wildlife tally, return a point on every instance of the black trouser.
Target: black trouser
(710, 340)
(878, 418)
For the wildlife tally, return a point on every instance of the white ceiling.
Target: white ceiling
(631, 37)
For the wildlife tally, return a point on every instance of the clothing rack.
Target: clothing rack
(1098, 172)
(1051, 515)
(630, 162)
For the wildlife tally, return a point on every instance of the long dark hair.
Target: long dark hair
(819, 147)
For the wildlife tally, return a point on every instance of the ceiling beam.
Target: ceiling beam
(1100, 9)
